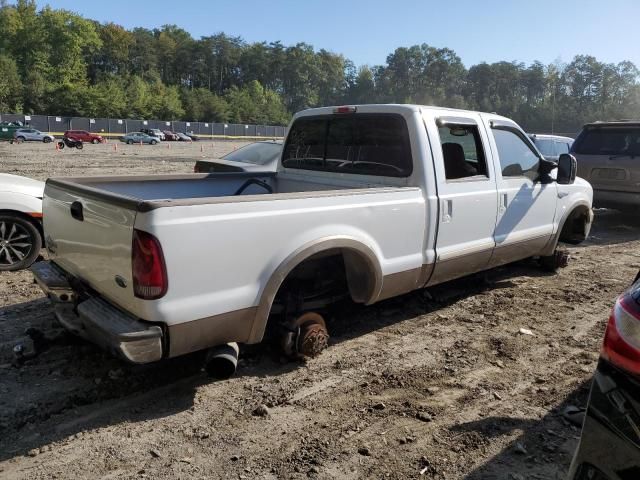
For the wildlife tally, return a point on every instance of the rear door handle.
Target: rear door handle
(504, 202)
(447, 210)
(76, 211)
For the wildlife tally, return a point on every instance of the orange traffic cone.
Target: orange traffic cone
(57, 147)
(201, 148)
(115, 147)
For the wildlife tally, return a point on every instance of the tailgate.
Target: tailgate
(90, 238)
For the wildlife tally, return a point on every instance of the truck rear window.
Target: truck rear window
(361, 143)
(608, 141)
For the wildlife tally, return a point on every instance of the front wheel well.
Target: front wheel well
(576, 227)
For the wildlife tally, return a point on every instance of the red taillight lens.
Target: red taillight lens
(147, 264)
(196, 169)
(621, 344)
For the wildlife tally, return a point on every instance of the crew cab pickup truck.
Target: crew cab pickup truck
(377, 200)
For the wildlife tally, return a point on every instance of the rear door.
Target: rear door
(609, 157)
(526, 207)
(467, 195)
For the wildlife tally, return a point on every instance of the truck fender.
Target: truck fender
(364, 275)
(553, 242)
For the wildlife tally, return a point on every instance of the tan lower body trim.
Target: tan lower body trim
(401, 282)
(211, 331)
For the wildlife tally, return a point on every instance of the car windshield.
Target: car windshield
(545, 146)
(256, 153)
(609, 141)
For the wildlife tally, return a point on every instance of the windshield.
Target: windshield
(545, 146)
(255, 153)
(608, 141)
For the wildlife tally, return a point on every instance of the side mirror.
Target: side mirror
(567, 168)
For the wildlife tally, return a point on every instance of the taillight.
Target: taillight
(196, 168)
(621, 344)
(147, 264)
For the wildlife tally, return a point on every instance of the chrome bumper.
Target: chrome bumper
(97, 320)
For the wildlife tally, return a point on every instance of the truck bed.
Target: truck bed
(144, 193)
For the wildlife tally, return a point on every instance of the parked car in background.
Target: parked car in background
(609, 447)
(192, 136)
(258, 156)
(20, 221)
(183, 137)
(360, 207)
(31, 135)
(83, 136)
(154, 132)
(608, 155)
(169, 135)
(551, 146)
(139, 137)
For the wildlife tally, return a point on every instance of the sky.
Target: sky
(366, 31)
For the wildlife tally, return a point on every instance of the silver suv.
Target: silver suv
(31, 135)
(608, 155)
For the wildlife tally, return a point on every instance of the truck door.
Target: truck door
(526, 207)
(467, 197)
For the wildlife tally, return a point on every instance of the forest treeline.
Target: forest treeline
(54, 61)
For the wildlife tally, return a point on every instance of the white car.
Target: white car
(20, 221)
(368, 202)
(32, 135)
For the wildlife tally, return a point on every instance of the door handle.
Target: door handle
(76, 211)
(504, 202)
(447, 210)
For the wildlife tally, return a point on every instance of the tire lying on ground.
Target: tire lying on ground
(20, 242)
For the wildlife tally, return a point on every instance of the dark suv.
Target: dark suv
(608, 155)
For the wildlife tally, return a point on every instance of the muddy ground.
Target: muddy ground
(436, 384)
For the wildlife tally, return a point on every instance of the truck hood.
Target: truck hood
(23, 185)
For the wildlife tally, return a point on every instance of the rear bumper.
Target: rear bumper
(96, 320)
(615, 199)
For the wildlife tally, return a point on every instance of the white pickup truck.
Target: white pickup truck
(371, 201)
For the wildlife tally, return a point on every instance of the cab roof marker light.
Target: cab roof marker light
(345, 109)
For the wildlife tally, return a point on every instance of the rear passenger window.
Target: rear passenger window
(361, 143)
(517, 158)
(462, 152)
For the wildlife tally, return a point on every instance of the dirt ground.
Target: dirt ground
(435, 384)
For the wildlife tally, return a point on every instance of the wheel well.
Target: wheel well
(323, 273)
(327, 275)
(575, 228)
(29, 218)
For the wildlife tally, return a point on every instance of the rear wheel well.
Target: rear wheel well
(326, 277)
(575, 228)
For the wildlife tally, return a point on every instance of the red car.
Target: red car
(83, 136)
(169, 135)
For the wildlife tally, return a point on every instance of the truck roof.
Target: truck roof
(391, 108)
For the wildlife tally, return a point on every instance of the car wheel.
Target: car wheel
(20, 139)
(95, 141)
(153, 142)
(129, 142)
(20, 242)
(46, 140)
(79, 146)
